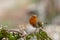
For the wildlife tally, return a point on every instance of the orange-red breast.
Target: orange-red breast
(34, 21)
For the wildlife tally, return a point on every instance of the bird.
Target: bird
(35, 22)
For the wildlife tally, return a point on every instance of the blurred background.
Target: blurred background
(16, 12)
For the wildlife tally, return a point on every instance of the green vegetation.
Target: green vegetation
(14, 35)
(41, 35)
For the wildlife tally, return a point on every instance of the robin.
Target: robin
(34, 21)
